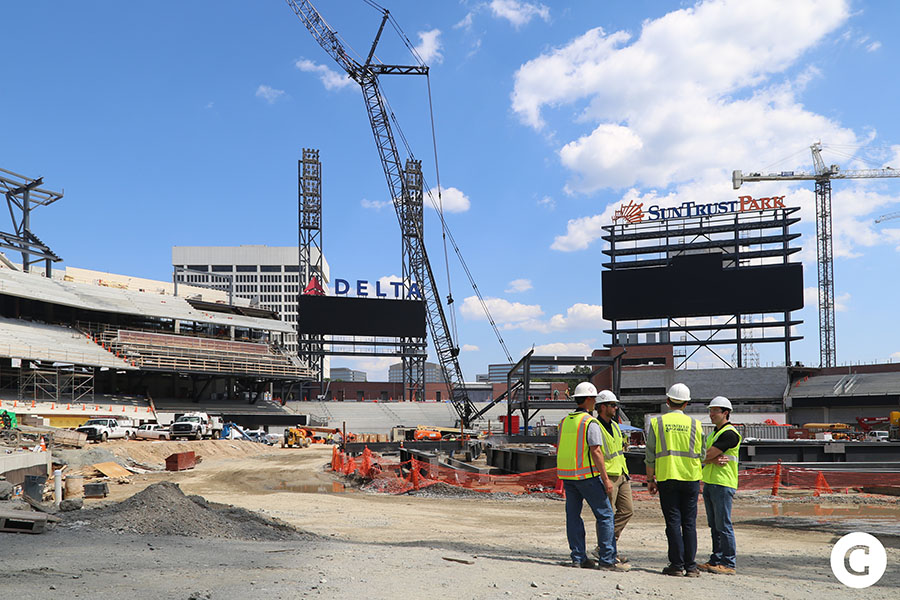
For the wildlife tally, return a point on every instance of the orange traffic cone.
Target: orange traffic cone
(43, 445)
(559, 489)
(822, 486)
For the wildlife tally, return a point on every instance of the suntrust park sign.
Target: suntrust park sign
(634, 213)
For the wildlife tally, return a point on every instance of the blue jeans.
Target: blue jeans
(593, 491)
(678, 500)
(717, 499)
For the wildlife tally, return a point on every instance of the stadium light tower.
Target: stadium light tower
(822, 175)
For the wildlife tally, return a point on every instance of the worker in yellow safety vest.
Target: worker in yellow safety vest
(720, 481)
(673, 456)
(580, 466)
(614, 458)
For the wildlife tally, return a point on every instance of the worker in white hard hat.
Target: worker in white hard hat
(582, 469)
(720, 481)
(614, 457)
(673, 456)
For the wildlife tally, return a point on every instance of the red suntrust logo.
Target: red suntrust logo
(631, 212)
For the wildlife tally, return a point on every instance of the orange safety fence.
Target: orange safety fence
(396, 478)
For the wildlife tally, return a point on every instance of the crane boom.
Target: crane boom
(822, 175)
(414, 245)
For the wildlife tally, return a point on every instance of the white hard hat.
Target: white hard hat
(584, 389)
(721, 402)
(606, 396)
(679, 393)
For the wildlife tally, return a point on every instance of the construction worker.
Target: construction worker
(580, 466)
(720, 481)
(614, 458)
(673, 457)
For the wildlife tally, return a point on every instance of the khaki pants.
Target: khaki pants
(620, 500)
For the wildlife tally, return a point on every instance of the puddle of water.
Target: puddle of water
(874, 519)
(310, 488)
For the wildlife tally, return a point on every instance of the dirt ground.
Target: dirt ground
(374, 546)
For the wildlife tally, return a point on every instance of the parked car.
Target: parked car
(153, 432)
(102, 429)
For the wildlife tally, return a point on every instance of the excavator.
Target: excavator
(301, 437)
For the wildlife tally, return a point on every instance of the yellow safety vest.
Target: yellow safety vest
(726, 475)
(614, 450)
(679, 443)
(573, 457)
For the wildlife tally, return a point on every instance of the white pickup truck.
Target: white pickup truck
(197, 425)
(153, 432)
(102, 429)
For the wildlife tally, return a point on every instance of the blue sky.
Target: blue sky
(181, 124)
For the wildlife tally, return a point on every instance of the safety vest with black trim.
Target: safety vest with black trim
(679, 443)
(614, 450)
(726, 475)
(573, 457)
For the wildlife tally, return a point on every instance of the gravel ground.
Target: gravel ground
(363, 545)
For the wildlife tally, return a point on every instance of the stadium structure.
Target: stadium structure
(71, 342)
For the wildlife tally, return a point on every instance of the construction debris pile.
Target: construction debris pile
(163, 509)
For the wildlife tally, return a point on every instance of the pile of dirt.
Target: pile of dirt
(78, 459)
(163, 509)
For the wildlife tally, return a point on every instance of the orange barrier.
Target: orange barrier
(397, 478)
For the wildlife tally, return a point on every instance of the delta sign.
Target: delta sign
(634, 213)
(390, 289)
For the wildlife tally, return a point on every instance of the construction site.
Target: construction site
(187, 438)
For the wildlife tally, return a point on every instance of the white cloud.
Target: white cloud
(376, 368)
(332, 80)
(517, 12)
(873, 46)
(374, 204)
(465, 22)
(578, 317)
(211, 104)
(269, 94)
(518, 285)
(429, 48)
(452, 200)
(895, 356)
(469, 348)
(548, 202)
(564, 349)
(503, 311)
(658, 110)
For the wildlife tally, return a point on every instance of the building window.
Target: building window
(246, 268)
(198, 267)
(270, 268)
(292, 268)
(221, 268)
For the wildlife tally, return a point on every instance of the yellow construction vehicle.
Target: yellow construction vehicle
(295, 437)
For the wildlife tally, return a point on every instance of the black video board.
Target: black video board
(360, 316)
(697, 285)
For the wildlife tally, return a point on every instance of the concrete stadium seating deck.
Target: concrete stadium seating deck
(849, 385)
(39, 341)
(116, 300)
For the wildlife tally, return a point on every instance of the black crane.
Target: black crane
(416, 264)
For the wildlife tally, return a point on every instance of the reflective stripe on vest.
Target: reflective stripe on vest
(614, 450)
(725, 475)
(573, 457)
(678, 454)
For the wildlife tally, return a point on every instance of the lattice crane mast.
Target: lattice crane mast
(822, 175)
(415, 257)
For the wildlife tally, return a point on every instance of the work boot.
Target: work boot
(619, 558)
(695, 572)
(722, 570)
(585, 564)
(615, 567)
(708, 567)
(673, 571)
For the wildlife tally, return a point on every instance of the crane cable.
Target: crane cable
(446, 234)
